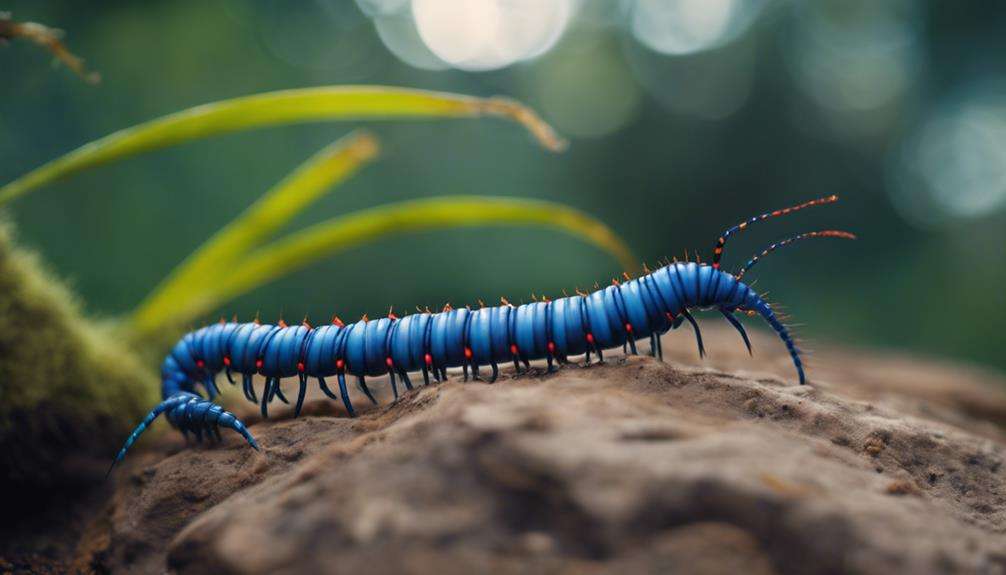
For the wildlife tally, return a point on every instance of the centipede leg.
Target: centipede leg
(632, 344)
(394, 383)
(739, 327)
(300, 395)
(516, 364)
(698, 333)
(230, 375)
(496, 372)
(475, 371)
(249, 389)
(660, 348)
(586, 357)
(405, 378)
(211, 387)
(326, 390)
(361, 384)
(426, 376)
(264, 406)
(345, 394)
(277, 392)
(464, 370)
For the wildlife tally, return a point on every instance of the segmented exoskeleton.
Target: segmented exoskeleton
(430, 343)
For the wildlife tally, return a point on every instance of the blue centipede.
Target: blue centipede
(476, 340)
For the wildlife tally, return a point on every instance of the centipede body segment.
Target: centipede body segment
(476, 340)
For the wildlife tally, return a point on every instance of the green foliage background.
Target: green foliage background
(665, 181)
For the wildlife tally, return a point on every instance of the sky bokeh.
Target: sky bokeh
(684, 117)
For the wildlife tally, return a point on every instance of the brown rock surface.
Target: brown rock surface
(878, 466)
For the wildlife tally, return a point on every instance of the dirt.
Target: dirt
(882, 464)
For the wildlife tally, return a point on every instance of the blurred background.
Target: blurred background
(684, 116)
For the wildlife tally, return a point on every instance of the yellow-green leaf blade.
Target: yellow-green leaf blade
(327, 103)
(349, 231)
(259, 222)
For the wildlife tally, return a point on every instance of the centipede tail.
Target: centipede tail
(585, 325)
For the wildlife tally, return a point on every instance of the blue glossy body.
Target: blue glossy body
(432, 342)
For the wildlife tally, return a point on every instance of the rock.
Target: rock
(880, 465)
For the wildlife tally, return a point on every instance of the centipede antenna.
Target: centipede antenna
(819, 234)
(721, 242)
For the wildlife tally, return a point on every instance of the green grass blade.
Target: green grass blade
(326, 169)
(276, 108)
(345, 232)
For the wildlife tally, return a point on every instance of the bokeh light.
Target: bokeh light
(954, 165)
(711, 85)
(680, 27)
(857, 55)
(396, 28)
(480, 35)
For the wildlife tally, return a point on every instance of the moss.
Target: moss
(69, 390)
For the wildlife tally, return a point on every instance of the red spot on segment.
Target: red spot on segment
(428, 359)
(300, 366)
(200, 363)
(670, 316)
(389, 362)
(551, 347)
(590, 338)
(392, 316)
(468, 352)
(628, 328)
(513, 348)
(227, 360)
(258, 364)
(340, 363)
